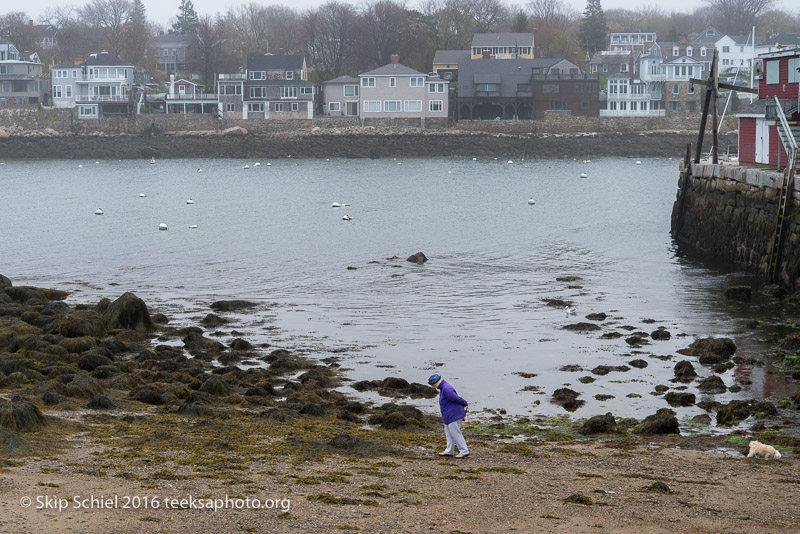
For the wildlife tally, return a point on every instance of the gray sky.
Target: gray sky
(162, 11)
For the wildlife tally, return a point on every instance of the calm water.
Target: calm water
(474, 312)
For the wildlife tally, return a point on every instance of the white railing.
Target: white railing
(203, 96)
(629, 113)
(630, 97)
(237, 76)
(654, 77)
(102, 98)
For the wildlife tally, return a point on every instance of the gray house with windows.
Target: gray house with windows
(172, 53)
(395, 91)
(98, 87)
(269, 87)
(341, 97)
(22, 80)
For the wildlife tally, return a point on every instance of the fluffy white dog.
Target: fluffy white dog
(759, 450)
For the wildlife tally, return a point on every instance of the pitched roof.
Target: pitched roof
(613, 59)
(502, 39)
(451, 56)
(173, 39)
(103, 59)
(260, 62)
(784, 38)
(393, 69)
(342, 79)
(65, 65)
(508, 72)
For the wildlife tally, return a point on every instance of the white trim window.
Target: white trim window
(435, 106)
(57, 91)
(68, 91)
(87, 111)
(258, 92)
(306, 90)
(290, 75)
(367, 81)
(794, 76)
(391, 106)
(703, 51)
(676, 51)
(417, 81)
(278, 106)
(392, 82)
(230, 108)
(688, 50)
(334, 106)
(257, 75)
(773, 69)
(288, 92)
(413, 106)
(255, 107)
(436, 88)
(295, 106)
(350, 90)
(372, 106)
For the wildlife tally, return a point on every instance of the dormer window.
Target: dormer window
(676, 51)
(703, 51)
(689, 51)
(290, 75)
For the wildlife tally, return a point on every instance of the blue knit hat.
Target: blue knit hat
(433, 379)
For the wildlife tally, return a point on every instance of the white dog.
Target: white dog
(759, 450)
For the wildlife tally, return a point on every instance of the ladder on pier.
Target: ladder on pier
(788, 132)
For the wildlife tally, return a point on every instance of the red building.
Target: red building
(758, 135)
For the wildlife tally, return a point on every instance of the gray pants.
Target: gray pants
(455, 438)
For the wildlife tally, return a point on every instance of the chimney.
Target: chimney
(395, 59)
(244, 59)
(30, 22)
(487, 55)
(631, 65)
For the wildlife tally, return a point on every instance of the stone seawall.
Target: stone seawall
(731, 212)
(323, 144)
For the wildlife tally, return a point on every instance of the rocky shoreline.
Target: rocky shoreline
(109, 395)
(352, 144)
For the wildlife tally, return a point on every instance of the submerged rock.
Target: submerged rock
(742, 293)
(567, 399)
(684, 371)
(711, 350)
(675, 398)
(419, 257)
(712, 384)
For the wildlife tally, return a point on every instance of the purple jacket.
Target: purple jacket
(451, 404)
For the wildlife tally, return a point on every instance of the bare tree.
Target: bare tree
(329, 37)
(554, 14)
(251, 24)
(737, 17)
(15, 29)
(449, 23)
(111, 18)
(384, 29)
(487, 14)
(137, 35)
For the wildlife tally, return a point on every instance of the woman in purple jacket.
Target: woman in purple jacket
(454, 410)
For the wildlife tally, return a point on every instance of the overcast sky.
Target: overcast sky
(162, 11)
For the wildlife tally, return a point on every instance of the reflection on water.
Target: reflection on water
(475, 312)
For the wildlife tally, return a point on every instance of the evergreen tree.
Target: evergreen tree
(186, 23)
(520, 23)
(592, 34)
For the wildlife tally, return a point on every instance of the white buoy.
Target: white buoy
(399, 163)
(474, 159)
(192, 226)
(163, 226)
(199, 170)
(510, 162)
(152, 161)
(97, 163)
(98, 211)
(142, 195)
(347, 218)
(246, 166)
(80, 166)
(638, 162)
(190, 201)
(336, 205)
(531, 202)
(569, 311)
(269, 164)
(256, 164)
(584, 175)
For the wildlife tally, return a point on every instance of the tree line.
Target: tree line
(340, 38)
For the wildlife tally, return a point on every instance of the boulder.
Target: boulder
(711, 351)
(232, 305)
(129, 312)
(684, 371)
(662, 422)
(20, 415)
(662, 334)
(82, 323)
(599, 424)
(675, 398)
(235, 131)
(712, 384)
(4, 282)
(419, 257)
(567, 399)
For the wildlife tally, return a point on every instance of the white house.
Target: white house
(98, 87)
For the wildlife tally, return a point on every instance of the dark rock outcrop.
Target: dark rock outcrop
(662, 422)
(567, 399)
(128, 312)
(599, 424)
(419, 257)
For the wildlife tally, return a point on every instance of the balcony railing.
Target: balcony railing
(200, 96)
(629, 97)
(101, 98)
(630, 113)
(559, 76)
(85, 78)
(235, 76)
(487, 93)
(654, 77)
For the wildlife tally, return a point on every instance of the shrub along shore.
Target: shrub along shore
(111, 397)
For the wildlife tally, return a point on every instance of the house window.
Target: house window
(633, 106)
(794, 76)
(675, 106)
(372, 106)
(605, 67)
(773, 72)
(417, 81)
(295, 106)
(413, 105)
(550, 88)
(367, 82)
(594, 69)
(623, 67)
(688, 50)
(257, 75)
(350, 90)
(334, 106)
(279, 106)
(436, 88)
(676, 51)
(290, 75)
(585, 104)
(703, 51)
(392, 82)
(558, 105)
(690, 89)
(391, 105)
(86, 111)
(288, 92)
(255, 107)
(165, 52)
(56, 91)
(622, 106)
(230, 108)
(258, 92)
(435, 105)
(726, 49)
(612, 106)
(306, 90)
(675, 89)
(68, 91)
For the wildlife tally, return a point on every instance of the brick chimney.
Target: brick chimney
(487, 55)
(631, 65)
(395, 59)
(244, 58)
